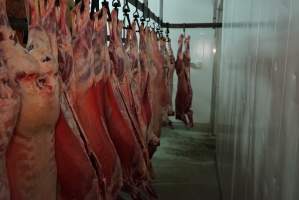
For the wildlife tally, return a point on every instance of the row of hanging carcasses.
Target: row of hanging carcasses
(80, 119)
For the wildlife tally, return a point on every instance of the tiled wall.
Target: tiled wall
(257, 123)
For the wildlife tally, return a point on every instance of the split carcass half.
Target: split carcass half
(122, 124)
(85, 101)
(183, 99)
(144, 78)
(156, 90)
(139, 87)
(77, 177)
(101, 70)
(31, 162)
(148, 74)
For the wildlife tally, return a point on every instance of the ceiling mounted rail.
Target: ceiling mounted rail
(192, 25)
(142, 7)
(149, 14)
(22, 23)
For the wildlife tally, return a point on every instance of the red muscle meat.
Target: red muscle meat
(77, 177)
(85, 101)
(183, 100)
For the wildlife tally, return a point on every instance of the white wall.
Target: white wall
(202, 44)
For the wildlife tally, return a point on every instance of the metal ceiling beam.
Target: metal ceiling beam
(22, 23)
(192, 25)
(144, 8)
(148, 13)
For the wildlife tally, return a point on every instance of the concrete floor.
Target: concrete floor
(184, 165)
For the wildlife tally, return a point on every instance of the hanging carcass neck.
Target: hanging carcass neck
(116, 30)
(180, 48)
(65, 49)
(3, 14)
(163, 49)
(142, 41)
(155, 41)
(133, 47)
(120, 60)
(102, 64)
(169, 48)
(100, 25)
(157, 57)
(187, 47)
(132, 38)
(6, 32)
(82, 47)
(42, 34)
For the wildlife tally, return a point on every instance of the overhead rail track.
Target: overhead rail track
(147, 13)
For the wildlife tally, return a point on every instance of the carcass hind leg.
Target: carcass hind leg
(190, 118)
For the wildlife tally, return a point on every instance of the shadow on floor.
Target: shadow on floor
(185, 167)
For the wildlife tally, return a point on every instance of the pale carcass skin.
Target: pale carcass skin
(9, 109)
(170, 78)
(102, 70)
(9, 104)
(121, 122)
(86, 105)
(77, 177)
(184, 90)
(31, 156)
